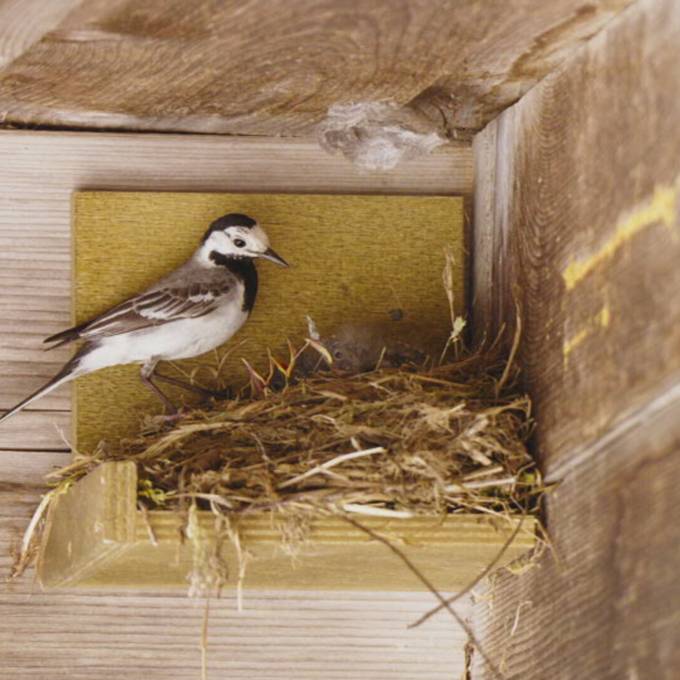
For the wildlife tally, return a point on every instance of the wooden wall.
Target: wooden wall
(577, 221)
(83, 635)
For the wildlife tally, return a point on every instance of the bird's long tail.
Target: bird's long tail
(68, 372)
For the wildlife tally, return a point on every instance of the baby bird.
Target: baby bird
(192, 310)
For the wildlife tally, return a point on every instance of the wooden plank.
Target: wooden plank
(483, 265)
(97, 537)
(24, 22)
(25, 471)
(36, 271)
(607, 604)
(37, 430)
(584, 230)
(275, 68)
(306, 635)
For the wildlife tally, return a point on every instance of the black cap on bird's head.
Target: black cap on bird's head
(230, 220)
(238, 236)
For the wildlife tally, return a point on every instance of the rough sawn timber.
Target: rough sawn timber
(577, 223)
(578, 189)
(274, 68)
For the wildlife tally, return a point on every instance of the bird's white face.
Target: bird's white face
(240, 242)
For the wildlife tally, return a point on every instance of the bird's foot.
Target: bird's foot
(196, 389)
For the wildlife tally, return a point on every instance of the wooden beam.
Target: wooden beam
(275, 68)
(579, 209)
(578, 223)
(606, 603)
(39, 172)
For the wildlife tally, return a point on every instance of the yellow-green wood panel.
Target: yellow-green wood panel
(354, 260)
(97, 537)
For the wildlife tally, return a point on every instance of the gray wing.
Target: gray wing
(151, 308)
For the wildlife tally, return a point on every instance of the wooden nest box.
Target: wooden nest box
(350, 265)
(556, 122)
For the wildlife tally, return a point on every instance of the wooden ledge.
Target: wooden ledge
(97, 536)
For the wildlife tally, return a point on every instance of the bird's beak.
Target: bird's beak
(269, 254)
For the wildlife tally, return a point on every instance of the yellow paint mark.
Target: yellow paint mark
(661, 209)
(574, 341)
(599, 321)
(604, 316)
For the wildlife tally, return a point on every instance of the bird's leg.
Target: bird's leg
(145, 374)
(218, 394)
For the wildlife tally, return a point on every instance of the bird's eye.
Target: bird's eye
(239, 243)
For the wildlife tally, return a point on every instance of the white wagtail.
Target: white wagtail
(194, 309)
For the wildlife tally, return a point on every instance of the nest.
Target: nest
(395, 441)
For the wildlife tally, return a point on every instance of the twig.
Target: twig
(461, 488)
(485, 572)
(147, 524)
(428, 584)
(331, 463)
(24, 557)
(242, 559)
(513, 352)
(375, 511)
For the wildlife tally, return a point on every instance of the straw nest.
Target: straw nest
(399, 441)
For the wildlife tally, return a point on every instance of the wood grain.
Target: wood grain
(607, 604)
(584, 232)
(24, 22)
(298, 636)
(582, 220)
(35, 272)
(274, 68)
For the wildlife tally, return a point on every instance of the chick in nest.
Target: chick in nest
(361, 348)
(356, 348)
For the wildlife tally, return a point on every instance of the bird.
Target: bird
(194, 309)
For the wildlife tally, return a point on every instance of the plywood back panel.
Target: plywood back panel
(354, 260)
